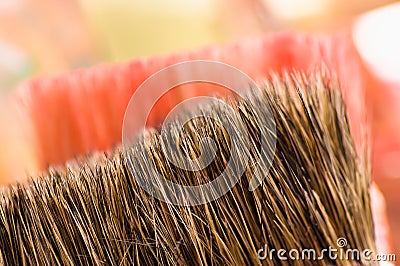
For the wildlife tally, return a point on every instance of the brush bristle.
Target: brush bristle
(316, 190)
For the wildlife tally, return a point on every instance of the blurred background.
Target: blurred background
(44, 37)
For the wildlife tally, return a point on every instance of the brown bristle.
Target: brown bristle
(316, 190)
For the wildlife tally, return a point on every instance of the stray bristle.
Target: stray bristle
(94, 212)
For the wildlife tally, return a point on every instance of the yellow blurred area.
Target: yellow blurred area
(129, 29)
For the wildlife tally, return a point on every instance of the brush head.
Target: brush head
(314, 191)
